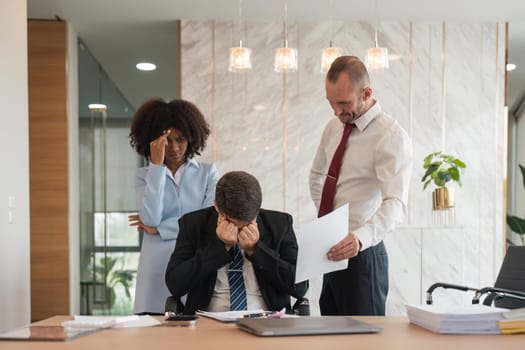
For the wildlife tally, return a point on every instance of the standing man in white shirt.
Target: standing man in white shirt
(372, 174)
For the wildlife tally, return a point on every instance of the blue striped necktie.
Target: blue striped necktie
(236, 281)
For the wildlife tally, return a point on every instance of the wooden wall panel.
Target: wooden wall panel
(47, 50)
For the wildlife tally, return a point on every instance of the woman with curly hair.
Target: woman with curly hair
(168, 136)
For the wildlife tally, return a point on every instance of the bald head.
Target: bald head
(352, 67)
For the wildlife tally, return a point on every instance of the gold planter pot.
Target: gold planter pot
(443, 198)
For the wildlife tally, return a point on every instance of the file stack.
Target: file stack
(470, 319)
(513, 322)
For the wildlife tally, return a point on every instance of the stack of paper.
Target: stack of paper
(471, 319)
(97, 322)
(514, 321)
(235, 316)
(230, 316)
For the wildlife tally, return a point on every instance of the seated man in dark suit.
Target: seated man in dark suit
(207, 263)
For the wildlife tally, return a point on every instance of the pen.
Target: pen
(255, 315)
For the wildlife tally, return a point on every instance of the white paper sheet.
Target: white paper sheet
(467, 319)
(315, 240)
(83, 321)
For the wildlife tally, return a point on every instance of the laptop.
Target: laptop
(309, 325)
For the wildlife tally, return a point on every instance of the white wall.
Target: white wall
(14, 152)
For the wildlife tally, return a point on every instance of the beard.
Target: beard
(352, 116)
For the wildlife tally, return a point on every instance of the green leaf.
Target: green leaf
(516, 224)
(429, 171)
(444, 177)
(426, 184)
(454, 173)
(429, 165)
(459, 163)
(447, 158)
(428, 159)
(439, 182)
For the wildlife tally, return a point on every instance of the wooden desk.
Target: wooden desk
(208, 334)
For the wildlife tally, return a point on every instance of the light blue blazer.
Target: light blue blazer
(160, 204)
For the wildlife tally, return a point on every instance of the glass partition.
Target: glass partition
(109, 248)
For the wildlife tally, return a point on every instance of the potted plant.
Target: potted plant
(441, 168)
(108, 274)
(516, 224)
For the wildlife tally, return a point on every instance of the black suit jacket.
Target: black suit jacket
(199, 253)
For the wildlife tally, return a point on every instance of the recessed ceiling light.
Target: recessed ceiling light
(510, 67)
(146, 66)
(96, 106)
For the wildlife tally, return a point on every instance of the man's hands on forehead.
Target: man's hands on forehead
(246, 236)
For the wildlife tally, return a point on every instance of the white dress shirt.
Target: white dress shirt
(374, 177)
(220, 300)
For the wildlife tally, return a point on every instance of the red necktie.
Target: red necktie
(327, 198)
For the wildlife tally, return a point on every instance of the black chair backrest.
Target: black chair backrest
(512, 276)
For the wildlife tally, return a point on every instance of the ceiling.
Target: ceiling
(119, 33)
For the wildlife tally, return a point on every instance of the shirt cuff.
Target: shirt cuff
(365, 237)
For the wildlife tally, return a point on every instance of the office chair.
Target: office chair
(509, 289)
(301, 306)
(174, 306)
(511, 277)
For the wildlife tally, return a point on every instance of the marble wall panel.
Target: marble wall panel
(463, 88)
(426, 112)
(443, 260)
(196, 74)
(405, 269)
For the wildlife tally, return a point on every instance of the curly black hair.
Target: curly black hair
(156, 115)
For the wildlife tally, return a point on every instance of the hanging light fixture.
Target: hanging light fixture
(328, 55)
(285, 57)
(240, 57)
(377, 57)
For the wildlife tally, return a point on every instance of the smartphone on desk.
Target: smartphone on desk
(181, 320)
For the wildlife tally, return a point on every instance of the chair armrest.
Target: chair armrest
(173, 305)
(446, 286)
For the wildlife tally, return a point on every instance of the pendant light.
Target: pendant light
(329, 54)
(285, 59)
(377, 57)
(240, 57)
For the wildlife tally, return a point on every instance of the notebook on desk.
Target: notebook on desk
(315, 325)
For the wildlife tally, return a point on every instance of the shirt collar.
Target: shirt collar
(192, 161)
(362, 122)
(178, 174)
